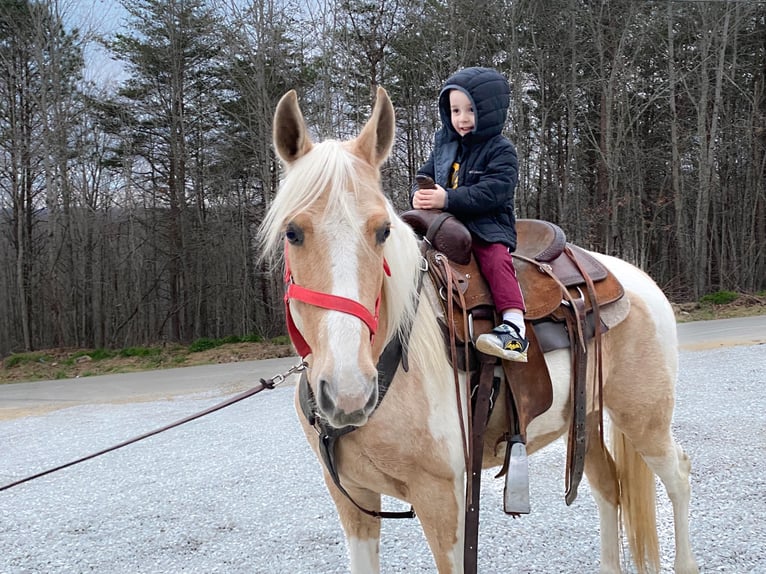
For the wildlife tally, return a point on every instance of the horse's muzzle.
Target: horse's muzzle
(342, 406)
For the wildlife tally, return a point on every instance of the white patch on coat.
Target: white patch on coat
(364, 554)
(439, 387)
(552, 420)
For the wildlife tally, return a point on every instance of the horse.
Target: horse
(359, 267)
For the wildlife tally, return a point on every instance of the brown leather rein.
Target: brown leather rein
(271, 383)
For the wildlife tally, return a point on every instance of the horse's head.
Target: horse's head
(335, 222)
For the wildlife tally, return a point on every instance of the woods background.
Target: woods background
(128, 215)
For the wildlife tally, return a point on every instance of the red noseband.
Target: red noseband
(325, 301)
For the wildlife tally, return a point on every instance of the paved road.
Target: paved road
(701, 335)
(38, 397)
(22, 399)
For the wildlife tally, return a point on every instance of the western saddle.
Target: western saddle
(564, 289)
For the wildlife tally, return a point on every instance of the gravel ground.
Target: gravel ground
(240, 491)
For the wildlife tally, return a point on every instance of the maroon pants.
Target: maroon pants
(496, 265)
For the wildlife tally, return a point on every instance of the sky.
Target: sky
(96, 18)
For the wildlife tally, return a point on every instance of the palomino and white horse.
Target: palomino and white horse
(342, 239)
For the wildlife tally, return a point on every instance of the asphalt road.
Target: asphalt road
(23, 399)
(38, 397)
(701, 335)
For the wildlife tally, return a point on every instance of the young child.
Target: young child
(475, 171)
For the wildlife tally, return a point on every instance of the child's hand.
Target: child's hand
(430, 198)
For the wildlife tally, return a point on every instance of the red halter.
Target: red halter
(325, 301)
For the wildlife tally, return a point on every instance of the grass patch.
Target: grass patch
(100, 354)
(140, 352)
(720, 298)
(21, 358)
(204, 344)
(92, 354)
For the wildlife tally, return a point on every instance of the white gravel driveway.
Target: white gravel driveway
(240, 491)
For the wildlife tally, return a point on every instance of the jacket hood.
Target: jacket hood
(490, 96)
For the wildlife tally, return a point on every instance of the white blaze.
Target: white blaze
(344, 331)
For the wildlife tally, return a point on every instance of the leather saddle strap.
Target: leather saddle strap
(473, 473)
(444, 262)
(577, 328)
(514, 430)
(598, 388)
(473, 440)
(577, 444)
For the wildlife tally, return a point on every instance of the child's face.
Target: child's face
(461, 112)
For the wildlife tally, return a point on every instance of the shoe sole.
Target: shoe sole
(490, 349)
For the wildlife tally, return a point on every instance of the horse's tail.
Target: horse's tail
(637, 503)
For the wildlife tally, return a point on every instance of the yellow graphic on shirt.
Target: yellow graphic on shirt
(454, 175)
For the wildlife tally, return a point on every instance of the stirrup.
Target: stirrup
(516, 493)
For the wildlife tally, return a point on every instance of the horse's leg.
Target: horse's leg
(362, 531)
(673, 467)
(602, 477)
(641, 430)
(439, 504)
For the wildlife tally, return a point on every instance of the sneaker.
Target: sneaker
(505, 342)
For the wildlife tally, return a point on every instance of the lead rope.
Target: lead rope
(264, 384)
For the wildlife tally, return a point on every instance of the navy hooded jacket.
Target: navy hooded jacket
(488, 174)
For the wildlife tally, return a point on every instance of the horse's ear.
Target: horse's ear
(376, 139)
(291, 139)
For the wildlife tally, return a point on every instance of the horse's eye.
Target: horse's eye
(294, 234)
(382, 233)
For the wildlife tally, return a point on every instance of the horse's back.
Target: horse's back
(642, 291)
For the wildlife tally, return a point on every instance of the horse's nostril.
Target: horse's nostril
(373, 400)
(324, 402)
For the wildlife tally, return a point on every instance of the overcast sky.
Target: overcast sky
(96, 18)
